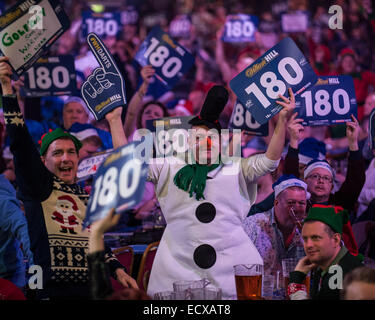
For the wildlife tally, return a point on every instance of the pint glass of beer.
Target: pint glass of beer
(248, 281)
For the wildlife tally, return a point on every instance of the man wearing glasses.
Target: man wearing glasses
(319, 177)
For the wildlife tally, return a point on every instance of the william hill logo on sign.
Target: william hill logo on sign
(258, 66)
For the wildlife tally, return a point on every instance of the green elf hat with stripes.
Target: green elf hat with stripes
(58, 133)
(334, 216)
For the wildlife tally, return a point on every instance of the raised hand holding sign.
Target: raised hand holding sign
(259, 86)
(104, 89)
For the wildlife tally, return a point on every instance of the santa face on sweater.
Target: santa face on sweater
(64, 214)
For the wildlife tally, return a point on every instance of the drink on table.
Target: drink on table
(248, 280)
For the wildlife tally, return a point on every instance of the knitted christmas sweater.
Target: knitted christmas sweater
(54, 211)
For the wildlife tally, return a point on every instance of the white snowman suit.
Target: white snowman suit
(205, 239)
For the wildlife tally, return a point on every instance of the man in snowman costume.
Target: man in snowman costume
(204, 203)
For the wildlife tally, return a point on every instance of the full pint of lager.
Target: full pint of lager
(248, 279)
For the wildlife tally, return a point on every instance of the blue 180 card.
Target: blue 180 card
(241, 119)
(240, 28)
(119, 183)
(170, 60)
(168, 132)
(258, 86)
(105, 24)
(331, 101)
(52, 76)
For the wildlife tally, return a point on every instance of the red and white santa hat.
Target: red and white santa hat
(70, 199)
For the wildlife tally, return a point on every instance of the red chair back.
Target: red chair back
(9, 291)
(126, 257)
(146, 265)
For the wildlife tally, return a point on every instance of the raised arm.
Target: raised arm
(98, 254)
(116, 128)
(32, 176)
(351, 188)
(276, 145)
(147, 73)
(294, 128)
(225, 69)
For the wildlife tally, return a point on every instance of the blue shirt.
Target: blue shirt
(13, 232)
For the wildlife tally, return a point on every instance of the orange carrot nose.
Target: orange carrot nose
(209, 142)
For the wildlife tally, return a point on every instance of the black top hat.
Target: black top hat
(216, 99)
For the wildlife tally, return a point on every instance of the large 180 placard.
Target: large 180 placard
(170, 60)
(258, 86)
(52, 76)
(331, 101)
(241, 119)
(240, 28)
(119, 183)
(105, 24)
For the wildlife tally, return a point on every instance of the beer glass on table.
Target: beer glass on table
(248, 279)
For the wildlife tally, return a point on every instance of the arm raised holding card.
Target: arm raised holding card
(147, 73)
(276, 145)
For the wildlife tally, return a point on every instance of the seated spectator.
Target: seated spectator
(276, 232)
(319, 177)
(359, 284)
(75, 110)
(88, 135)
(321, 232)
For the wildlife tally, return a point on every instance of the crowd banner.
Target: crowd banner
(88, 167)
(331, 101)
(52, 76)
(241, 119)
(170, 60)
(258, 86)
(28, 29)
(119, 183)
(240, 28)
(103, 90)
